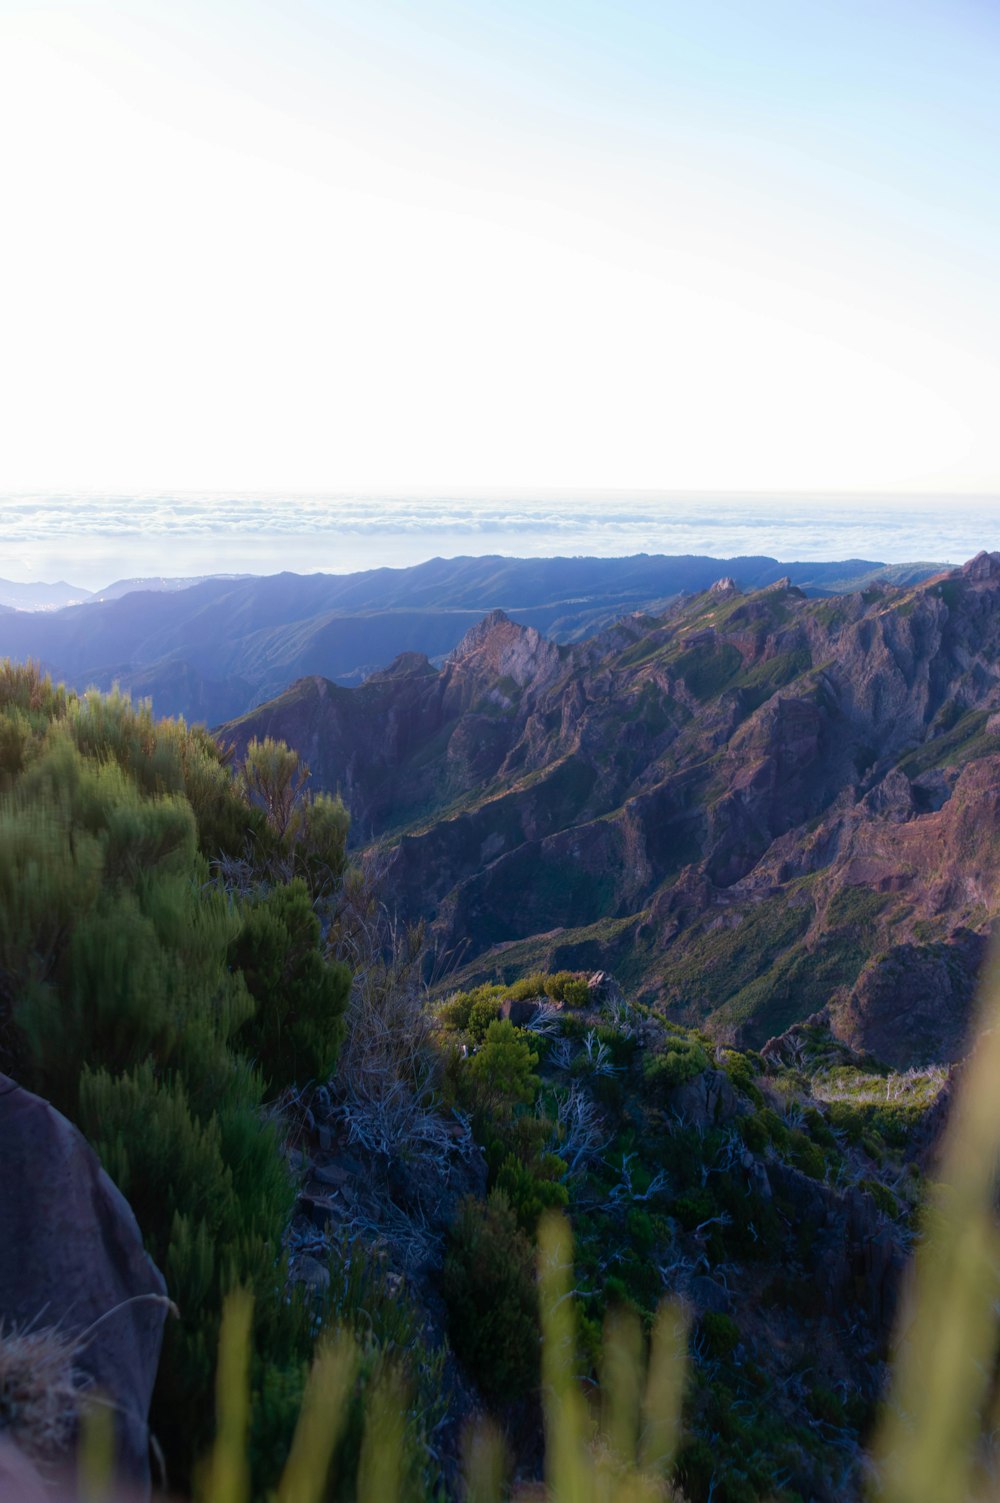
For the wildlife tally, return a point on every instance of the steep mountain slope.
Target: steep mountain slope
(225, 644)
(752, 807)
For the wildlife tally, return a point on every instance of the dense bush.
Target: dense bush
(568, 987)
(502, 1071)
(295, 1031)
(157, 1007)
(472, 1012)
(681, 1059)
(532, 1188)
(489, 1286)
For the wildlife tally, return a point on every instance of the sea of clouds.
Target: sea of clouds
(92, 540)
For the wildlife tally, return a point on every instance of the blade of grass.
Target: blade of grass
(483, 1463)
(226, 1477)
(948, 1328)
(381, 1463)
(321, 1421)
(661, 1409)
(96, 1456)
(570, 1478)
(621, 1370)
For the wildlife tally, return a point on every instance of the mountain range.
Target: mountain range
(215, 648)
(36, 595)
(753, 806)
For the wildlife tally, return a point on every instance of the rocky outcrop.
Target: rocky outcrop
(500, 648)
(521, 1011)
(857, 1258)
(71, 1257)
(706, 1101)
(983, 568)
(914, 1005)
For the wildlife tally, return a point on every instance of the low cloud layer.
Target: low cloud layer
(95, 539)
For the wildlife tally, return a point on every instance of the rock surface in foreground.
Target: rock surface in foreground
(71, 1256)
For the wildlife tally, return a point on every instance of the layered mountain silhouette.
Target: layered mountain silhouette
(219, 647)
(752, 806)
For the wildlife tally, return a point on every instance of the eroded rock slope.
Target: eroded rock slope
(752, 807)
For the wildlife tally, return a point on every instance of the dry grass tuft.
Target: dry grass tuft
(40, 1390)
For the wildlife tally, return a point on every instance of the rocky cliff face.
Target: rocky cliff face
(752, 807)
(72, 1262)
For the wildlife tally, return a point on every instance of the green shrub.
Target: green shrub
(531, 1189)
(754, 1133)
(622, 1048)
(741, 1072)
(483, 1012)
(882, 1196)
(777, 1129)
(819, 1128)
(456, 1012)
(825, 1405)
(639, 1225)
(681, 1060)
(805, 1155)
(488, 1284)
(527, 987)
(297, 1025)
(694, 1207)
(568, 987)
(502, 1070)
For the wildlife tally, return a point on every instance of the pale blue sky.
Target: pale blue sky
(712, 245)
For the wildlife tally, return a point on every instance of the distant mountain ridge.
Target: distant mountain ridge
(213, 650)
(751, 807)
(38, 596)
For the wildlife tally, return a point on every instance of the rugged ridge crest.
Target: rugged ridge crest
(751, 807)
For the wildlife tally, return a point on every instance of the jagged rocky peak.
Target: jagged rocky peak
(506, 649)
(477, 635)
(725, 586)
(785, 584)
(984, 566)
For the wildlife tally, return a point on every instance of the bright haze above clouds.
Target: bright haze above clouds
(441, 243)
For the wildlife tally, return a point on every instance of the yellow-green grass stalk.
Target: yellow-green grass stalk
(225, 1477)
(947, 1336)
(96, 1454)
(321, 1421)
(626, 1458)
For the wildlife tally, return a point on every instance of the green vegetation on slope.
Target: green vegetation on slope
(161, 978)
(686, 1167)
